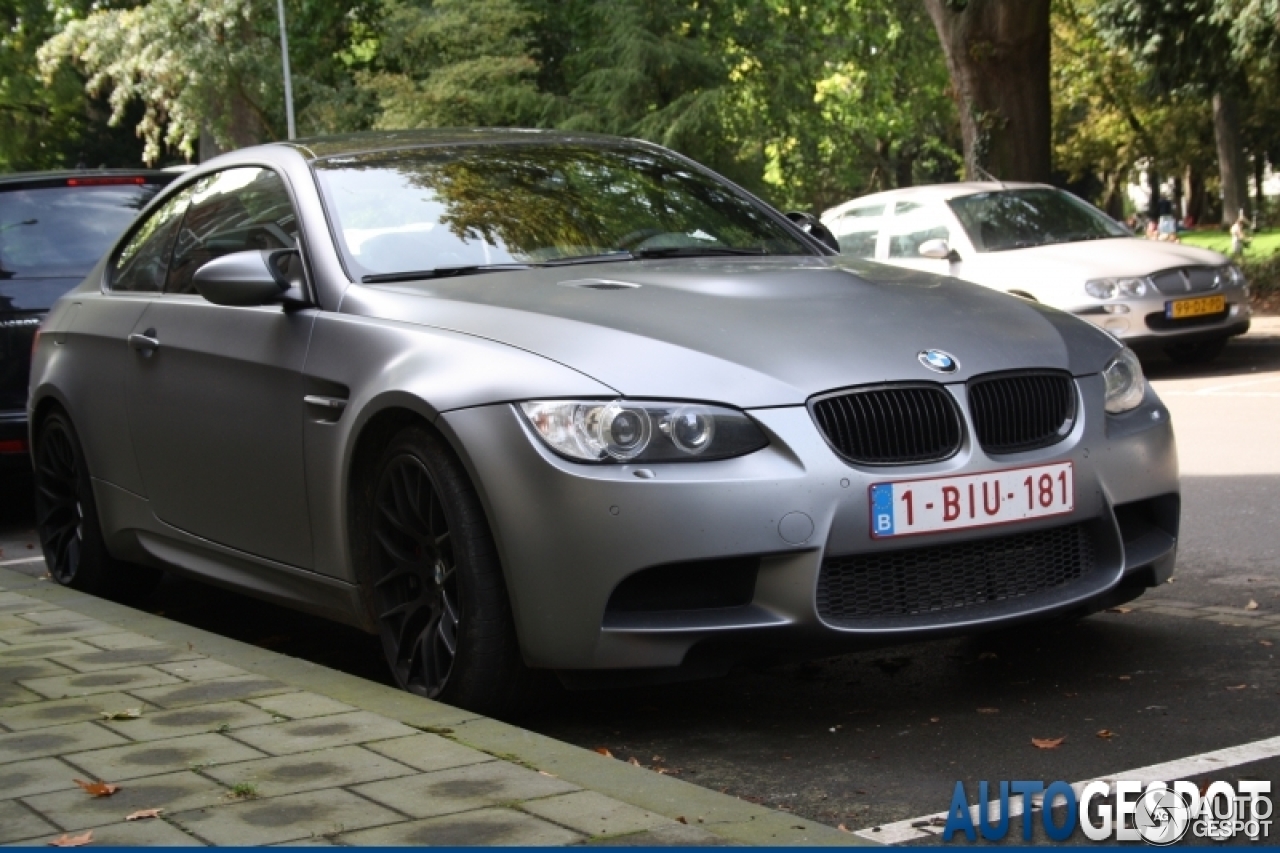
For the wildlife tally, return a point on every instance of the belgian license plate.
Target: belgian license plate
(974, 500)
(1180, 309)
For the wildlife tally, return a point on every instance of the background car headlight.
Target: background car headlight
(629, 431)
(1125, 383)
(1233, 276)
(1110, 288)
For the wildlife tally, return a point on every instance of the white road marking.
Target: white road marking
(20, 562)
(1181, 768)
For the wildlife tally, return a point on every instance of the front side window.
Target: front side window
(530, 203)
(141, 264)
(237, 210)
(914, 225)
(1023, 218)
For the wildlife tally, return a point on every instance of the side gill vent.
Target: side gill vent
(600, 284)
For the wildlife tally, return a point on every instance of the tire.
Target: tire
(433, 580)
(1196, 352)
(67, 519)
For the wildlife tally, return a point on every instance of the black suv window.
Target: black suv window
(141, 265)
(232, 211)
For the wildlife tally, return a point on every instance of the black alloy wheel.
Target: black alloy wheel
(67, 519)
(59, 506)
(417, 578)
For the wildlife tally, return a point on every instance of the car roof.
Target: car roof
(936, 192)
(320, 147)
(19, 180)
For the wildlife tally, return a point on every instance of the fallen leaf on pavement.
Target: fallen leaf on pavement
(143, 814)
(633, 761)
(125, 714)
(545, 773)
(604, 750)
(935, 719)
(1238, 687)
(65, 840)
(988, 710)
(1120, 610)
(1264, 642)
(97, 789)
(843, 828)
(682, 820)
(1106, 734)
(1047, 742)
(1125, 677)
(1252, 605)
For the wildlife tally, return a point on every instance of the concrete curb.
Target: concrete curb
(733, 820)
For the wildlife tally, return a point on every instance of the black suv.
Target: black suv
(54, 226)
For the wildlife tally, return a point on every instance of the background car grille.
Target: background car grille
(952, 577)
(1186, 280)
(1022, 411)
(891, 426)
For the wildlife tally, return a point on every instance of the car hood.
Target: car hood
(753, 333)
(1122, 256)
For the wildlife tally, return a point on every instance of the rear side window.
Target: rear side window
(62, 231)
(233, 211)
(142, 263)
(858, 230)
(914, 225)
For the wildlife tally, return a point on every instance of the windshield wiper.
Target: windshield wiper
(693, 251)
(439, 272)
(603, 257)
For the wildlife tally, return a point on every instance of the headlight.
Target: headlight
(626, 431)
(1232, 276)
(1125, 383)
(1110, 288)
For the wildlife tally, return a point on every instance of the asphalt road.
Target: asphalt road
(868, 739)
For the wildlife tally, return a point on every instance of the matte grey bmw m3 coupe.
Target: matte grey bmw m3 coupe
(521, 402)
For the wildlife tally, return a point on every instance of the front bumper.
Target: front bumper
(1144, 321)
(569, 533)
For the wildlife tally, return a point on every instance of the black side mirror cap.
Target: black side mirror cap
(811, 225)
(257, 277)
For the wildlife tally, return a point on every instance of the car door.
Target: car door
(215, 392)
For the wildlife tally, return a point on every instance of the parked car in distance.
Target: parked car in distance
(520, 401)
(54, 226)
(1045, 244)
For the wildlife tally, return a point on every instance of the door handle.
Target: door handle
(145, 343)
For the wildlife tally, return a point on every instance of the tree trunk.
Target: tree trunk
(1193, 191)
(997, 52)
(1153, 200)
(1231, 166)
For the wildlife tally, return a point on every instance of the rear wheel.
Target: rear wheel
(67, 519)
(1196, 352)
(435, 582)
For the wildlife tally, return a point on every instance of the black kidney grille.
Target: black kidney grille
(891, 426)
(952, 577)
(1022, 411)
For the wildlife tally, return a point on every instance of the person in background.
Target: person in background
(1239, 237)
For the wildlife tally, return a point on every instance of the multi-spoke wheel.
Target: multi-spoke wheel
(417, 579)
(67, 518)
(433, 579)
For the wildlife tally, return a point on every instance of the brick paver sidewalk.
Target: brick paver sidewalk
(236, 745)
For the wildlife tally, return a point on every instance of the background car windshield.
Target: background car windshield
(53, 232)
(1019, 219)
(422, 209)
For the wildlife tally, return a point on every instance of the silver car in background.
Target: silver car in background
(1045, 244)
(523, 402)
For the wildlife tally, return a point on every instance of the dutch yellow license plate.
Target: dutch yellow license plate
(1182, 308)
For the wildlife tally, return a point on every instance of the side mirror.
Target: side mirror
(246, 278)
(813, 226)
(938, 249)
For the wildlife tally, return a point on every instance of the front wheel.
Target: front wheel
(67, 519)
(434, 580)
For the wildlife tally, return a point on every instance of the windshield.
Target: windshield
(60, 232)
(1019, 219)
(478, 205)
